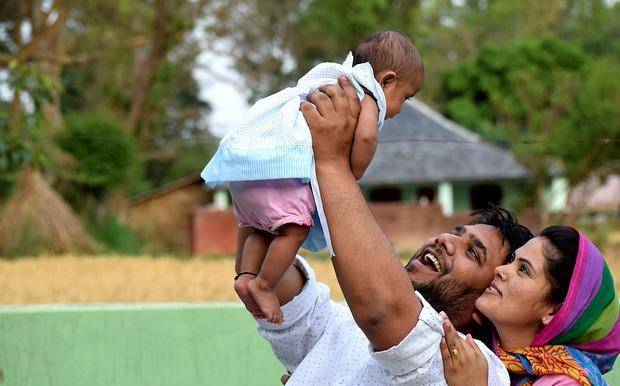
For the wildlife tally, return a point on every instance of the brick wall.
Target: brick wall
(212, 231)
(405, 224)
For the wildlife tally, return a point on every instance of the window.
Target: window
(386, 194)
(425, 195)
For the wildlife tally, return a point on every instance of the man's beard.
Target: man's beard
(455, 298)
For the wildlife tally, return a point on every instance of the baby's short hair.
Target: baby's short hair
(390, 50)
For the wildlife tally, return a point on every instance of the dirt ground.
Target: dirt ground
(112, 279)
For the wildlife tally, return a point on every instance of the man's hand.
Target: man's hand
(332, 122)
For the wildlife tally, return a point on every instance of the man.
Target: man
(389, 334)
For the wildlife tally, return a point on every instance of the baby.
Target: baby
(267, 162)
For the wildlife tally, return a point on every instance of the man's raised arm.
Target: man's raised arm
(373, 281)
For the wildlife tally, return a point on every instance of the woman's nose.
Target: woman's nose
(501, 271)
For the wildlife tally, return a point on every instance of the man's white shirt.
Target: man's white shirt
(321, 344)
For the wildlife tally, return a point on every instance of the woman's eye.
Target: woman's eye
(523, 269)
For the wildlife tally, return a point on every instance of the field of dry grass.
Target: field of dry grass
(88, 279)
(94, 279)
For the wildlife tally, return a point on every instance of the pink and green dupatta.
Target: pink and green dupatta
(583, 339)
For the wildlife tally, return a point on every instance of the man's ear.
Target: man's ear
(387, 77)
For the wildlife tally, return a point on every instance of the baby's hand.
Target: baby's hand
(241, 288)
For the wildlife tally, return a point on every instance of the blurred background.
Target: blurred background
(109, 109)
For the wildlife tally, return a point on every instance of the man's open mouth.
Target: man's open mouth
(432, 261)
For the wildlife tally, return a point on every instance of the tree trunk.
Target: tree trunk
(540, 182)
(146, 73)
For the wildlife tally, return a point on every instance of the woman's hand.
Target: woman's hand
(463, 362)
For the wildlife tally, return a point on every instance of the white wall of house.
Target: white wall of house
(556, 194)
(220, 199)
(445, 197)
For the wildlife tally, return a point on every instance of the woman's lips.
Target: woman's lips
(492, 289)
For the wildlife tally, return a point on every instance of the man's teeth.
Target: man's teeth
(432, 259)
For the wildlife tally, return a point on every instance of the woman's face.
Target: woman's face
(516, 296)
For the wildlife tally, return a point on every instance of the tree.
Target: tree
(593, 124)
(545, 99)
(129, 59)
(35, 218)
(273, 43)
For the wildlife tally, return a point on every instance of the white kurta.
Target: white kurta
(321, 344)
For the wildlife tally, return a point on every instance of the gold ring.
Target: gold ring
(455, 353)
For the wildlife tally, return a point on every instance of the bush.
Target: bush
(116, 236)
(103, 151)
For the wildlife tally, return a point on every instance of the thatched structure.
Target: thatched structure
(36, 219)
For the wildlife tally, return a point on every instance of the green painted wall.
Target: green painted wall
(513, 195)
(462, 202)
(458, 194)
(133, 345)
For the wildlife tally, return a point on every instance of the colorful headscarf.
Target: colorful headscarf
(583, 338)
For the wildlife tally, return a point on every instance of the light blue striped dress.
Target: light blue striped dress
(272, 140)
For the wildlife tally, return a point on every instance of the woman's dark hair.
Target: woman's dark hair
(560, 252)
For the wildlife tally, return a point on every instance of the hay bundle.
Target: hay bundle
(36, 219)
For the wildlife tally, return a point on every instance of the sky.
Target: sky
(227, 101)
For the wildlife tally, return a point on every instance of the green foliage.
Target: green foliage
(342, 26)
(274, 42)
(507, 92)
(546, 98)
(20, 133)
(510, 92)
(104, 153)
(185, 158)
(116, 236)
(13, 155)
(593, 124)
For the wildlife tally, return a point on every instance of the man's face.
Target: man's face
(453, 269)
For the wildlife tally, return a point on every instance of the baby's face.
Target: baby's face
(397, 92)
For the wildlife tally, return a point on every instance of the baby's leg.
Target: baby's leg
(279, 257)
(253, 253)
(242, 235)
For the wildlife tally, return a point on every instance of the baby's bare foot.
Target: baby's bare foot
(241, 288)
(266, 299)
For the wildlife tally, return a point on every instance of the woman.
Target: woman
(555, 314)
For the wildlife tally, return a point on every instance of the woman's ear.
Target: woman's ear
(549, 313)
(387, 77)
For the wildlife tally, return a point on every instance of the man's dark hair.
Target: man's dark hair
(514, 233)
(390, 50)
